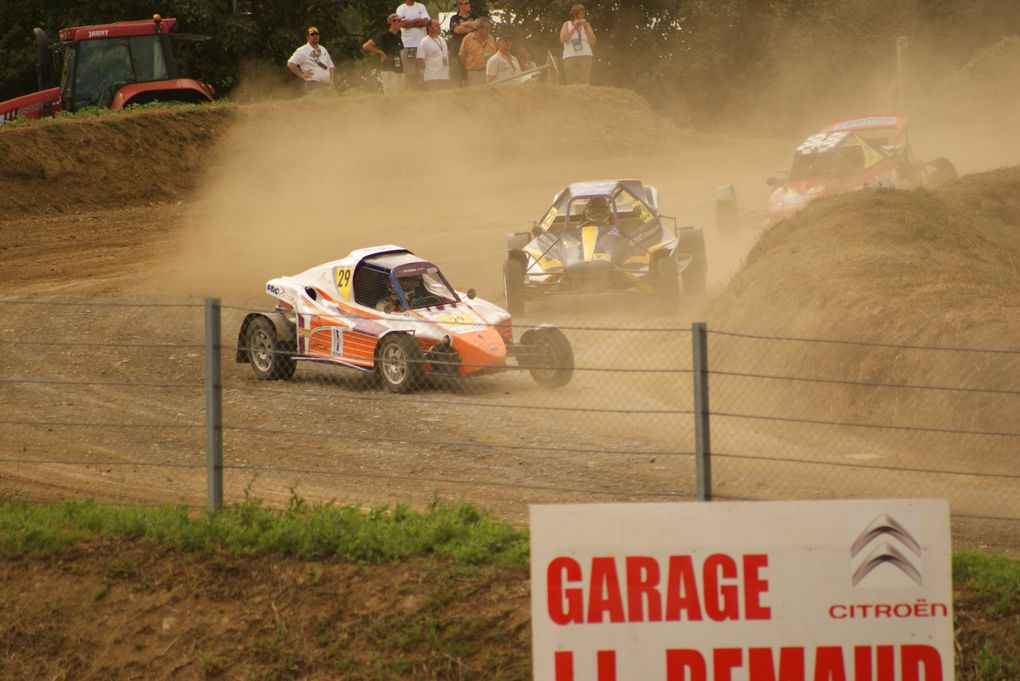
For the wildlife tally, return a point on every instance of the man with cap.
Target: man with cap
(434, 59)
(461, 23)
(502, 64)
(311, 63)
(387, 46)
(414, 18)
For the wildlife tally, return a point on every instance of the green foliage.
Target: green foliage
(990, 585)
(994, 581)
(786, 62)
(307, 531)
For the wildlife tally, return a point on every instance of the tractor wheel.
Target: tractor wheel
(270, 358)
(513, 286)
(400, 363)
(547, 355)
(666, 283)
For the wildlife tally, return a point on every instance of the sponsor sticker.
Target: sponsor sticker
(874, 122)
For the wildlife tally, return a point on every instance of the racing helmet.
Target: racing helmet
(598, 210)
(408, 286)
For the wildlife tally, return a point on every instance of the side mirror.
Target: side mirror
(471, 294)
(536, 231)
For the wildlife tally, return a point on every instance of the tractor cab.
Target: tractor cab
(109, 66)
(113, 65)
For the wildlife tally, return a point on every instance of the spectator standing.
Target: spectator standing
(475, 51)
(578, 38)
(461, 23)
(414, 18)
(387, 46)
(311, 63)
(502, 64)
(434, 59)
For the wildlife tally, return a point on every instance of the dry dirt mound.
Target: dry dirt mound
(932, 268)
(67, 164)
(132, 611)
(158, 156)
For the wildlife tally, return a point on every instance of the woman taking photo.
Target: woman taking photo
(577, 37)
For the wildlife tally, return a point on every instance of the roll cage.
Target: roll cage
(415, 285)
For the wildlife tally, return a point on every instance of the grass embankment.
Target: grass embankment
(448, 631)
(302, 530)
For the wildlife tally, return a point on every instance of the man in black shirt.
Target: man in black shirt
(461, 23)
(387, 46)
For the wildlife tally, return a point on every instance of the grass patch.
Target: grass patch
(987, 616)
(116, 116)
(302, 530)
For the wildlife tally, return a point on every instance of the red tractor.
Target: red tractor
(107, 65)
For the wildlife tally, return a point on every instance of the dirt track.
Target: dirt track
(287, 187)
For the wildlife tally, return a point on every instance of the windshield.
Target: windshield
(838, 155)
(104, 66)
(590, 210)
(424, 286)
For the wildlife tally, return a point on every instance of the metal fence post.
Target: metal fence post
(702, 438)
(213, 405)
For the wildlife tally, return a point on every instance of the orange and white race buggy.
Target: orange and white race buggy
(385, 310)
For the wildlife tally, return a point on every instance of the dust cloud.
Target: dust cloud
(298, 182)
(446, 175)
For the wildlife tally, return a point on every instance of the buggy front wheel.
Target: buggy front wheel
(547, 355)
(400, 364)
(270, 358)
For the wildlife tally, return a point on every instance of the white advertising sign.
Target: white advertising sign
(742, 591)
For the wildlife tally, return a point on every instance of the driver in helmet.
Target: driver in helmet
(389, 301)
(598, 211)
(409, 285)
(392, 301)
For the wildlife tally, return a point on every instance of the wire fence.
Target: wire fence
(122, 403)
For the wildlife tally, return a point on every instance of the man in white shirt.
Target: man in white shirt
(414, 18)
(502, 64)
(434, 59)
(311, 62)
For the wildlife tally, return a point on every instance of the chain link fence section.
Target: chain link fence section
(621, 429)
(797, 418)
(117, 399)
(100, 400)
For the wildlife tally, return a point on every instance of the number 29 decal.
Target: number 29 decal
(343, 282)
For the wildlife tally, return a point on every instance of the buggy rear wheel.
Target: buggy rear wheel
(270, 358)
(694, 276)
(666, 283)
(513, 286)
(547, 355)
(400, 363)
(942, 171)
